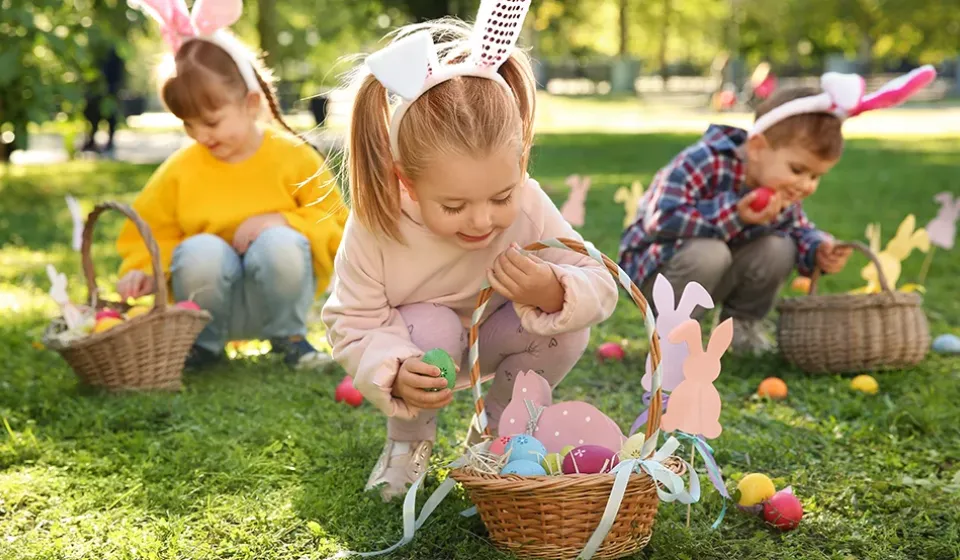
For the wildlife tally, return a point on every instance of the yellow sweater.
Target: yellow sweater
(192, 192)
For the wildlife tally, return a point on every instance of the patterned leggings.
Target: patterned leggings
(505, 348)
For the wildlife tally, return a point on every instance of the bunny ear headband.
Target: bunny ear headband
(843, 96)
(208, 21)
(410, 66)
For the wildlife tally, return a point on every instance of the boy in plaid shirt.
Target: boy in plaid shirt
(695, 223)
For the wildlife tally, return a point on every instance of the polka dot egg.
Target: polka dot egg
(524, 447)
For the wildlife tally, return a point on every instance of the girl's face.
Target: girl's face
(470, 200)
(230, 132)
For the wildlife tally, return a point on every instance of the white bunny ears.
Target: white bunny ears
(843, 96)
(208, 21)
(410, 66)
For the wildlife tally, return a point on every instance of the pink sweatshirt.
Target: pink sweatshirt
(373, 276)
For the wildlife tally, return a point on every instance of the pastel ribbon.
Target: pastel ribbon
(642, 419)
(713, 470)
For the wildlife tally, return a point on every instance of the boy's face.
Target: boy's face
(792, 170)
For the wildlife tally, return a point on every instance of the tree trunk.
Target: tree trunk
(267, 28)
(664, 39)
(624, 28)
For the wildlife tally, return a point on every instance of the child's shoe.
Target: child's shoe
(199, 358)
(750, 337)
(401, 463)
(299, 353)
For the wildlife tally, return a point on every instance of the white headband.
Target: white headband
(208, 22)
(410, 67)
(843, 96)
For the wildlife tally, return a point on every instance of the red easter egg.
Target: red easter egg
(347, 393)
(499, 445)
(187, 304)
(610, 351)
(783, 511)
(761, 199)
(589, 459)
(105, 313)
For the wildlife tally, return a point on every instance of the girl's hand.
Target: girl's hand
(134, 284)
(251, 228)
(414, 381)
(527, 280)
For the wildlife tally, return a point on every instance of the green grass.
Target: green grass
(254, 462)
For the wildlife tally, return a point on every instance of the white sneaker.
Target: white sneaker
(401, 463)
(750, 336)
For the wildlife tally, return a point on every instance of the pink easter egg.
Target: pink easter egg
(499, 445)
(589, 459)
(610, 351)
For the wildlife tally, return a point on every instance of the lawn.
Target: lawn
(255, 462)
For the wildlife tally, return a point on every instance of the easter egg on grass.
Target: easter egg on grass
(137, 311)
(523, 467)
(784, 511)
(754, 489)
(187, 304)
(589, 459)
(524, 447)
(761, 198)
(773, 387)
(499, 445)
(108, 314)
(610, 351)
(553, 463)
(865, 384)
(106, 324)
(441, 360)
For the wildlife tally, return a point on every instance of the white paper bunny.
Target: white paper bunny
(72, 315)
(672, 354)
(943, 228)
(574, 208)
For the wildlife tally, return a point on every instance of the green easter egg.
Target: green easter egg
(439, 358)
(552, 463)
(565, 450)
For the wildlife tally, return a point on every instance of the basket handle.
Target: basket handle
(160, 286)
(621, 277)
(866, 251)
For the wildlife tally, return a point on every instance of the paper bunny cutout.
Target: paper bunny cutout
(76, 216)
(897, 250)
(943, 229)
(630, 198)
(208, 21)
(558, 425)
(695, 403)
(72, 316)
(844, 96)
(673, 354)
(574, 208)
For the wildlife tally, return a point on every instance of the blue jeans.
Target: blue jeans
(263, 294)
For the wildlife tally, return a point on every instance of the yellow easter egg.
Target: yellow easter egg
(865, 383)
(553, 463)
(137, 311)
(106, 324)
(632, 447)
(755, 488)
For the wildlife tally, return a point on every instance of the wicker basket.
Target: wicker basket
(554, 516)
(846, 333)
(145, 352)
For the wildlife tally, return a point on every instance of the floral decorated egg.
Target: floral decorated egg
(499, 445)
(522, 446)
(523, 467)
(589, 459)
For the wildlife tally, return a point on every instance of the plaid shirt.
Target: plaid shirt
(696, 195)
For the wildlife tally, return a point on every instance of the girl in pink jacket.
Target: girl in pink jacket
(441, 202)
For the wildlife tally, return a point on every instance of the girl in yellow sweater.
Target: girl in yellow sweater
(247, 218)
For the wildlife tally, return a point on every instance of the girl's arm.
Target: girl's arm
(369, 338)
(321, 213)
(590, 293)
(156, 205)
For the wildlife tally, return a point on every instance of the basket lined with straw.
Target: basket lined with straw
(846, 333)
(143, 352)
(556, 516)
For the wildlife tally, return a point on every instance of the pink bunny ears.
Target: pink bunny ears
(208, 21)
(409, 67)
(843, 96)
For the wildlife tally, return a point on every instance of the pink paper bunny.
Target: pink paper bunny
(558, 425)
(695, 403)
(668, 318)
(943, 229)
(574, 208)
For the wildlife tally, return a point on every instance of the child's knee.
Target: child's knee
(702, 260)
(280, 259)
(202, 263)
(434, 326)
(562, 352)
(776, 255)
